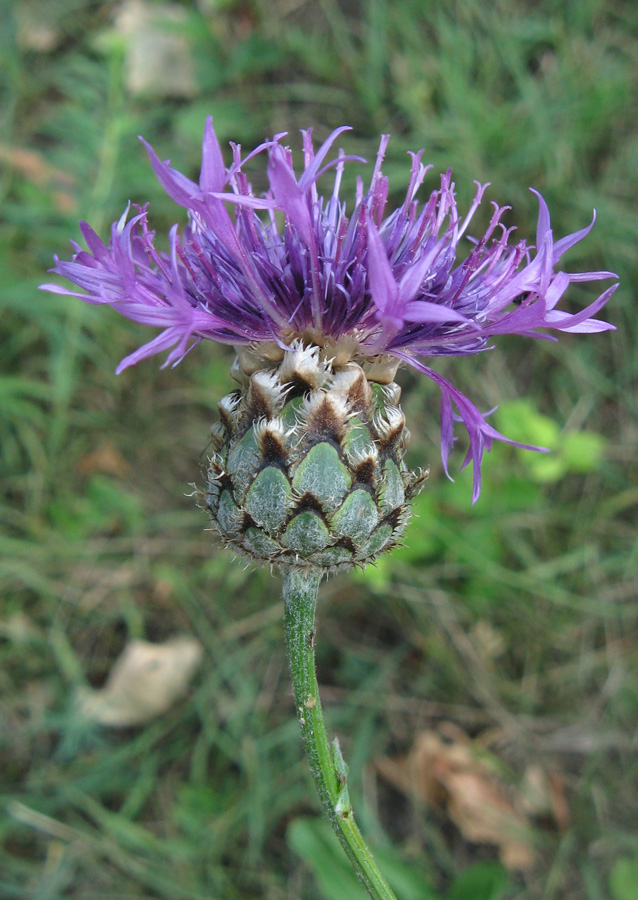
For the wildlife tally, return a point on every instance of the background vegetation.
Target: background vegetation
(515, 620)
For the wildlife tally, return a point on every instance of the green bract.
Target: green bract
(309, 465)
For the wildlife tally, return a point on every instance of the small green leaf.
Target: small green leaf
(228, 515)
(482, 881)
(583, 450)
(358, 440)
(623, 879)
(259, 544)
(377, 541)
(244, 456)
(520, 421)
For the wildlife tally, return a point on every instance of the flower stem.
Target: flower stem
(328, 768)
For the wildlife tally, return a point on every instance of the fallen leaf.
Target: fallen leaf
(144, 682)
(106, 458)
(543, 796)
(451, 774)
(33, 166)
(488, 639)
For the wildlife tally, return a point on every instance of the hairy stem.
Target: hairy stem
(327, 765)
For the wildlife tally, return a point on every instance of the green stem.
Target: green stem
(328, 768)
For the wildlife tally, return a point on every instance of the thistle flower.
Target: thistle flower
(322, 305)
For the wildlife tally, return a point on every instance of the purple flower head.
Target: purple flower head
(290, 265)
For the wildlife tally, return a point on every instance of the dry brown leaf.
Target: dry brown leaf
(543, 796)
(488, 639)
(33, 166)
(144, 682)
(106, 458)
(36, 169)
(451, 775)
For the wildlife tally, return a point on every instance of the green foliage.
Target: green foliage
(570, 451)
(317, 845)
(623, 879)
(314, 841)
(482, 881)
(197, 803)
(104, 507)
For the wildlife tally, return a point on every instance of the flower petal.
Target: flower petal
(178, 187)
(383, 287)
(288, 194)
(424, 311)
(213, 174)
(404, 283)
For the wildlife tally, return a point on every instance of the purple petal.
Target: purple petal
(161, 342)
(213, 173)
(383, 287)
(569, 240)
(178, 187)
(555, 319)
(590, 326)
(424, 311)
(244, 200)
(416, 273)
(543, 226)
(288, 195)
(480, 432)
(311, 174)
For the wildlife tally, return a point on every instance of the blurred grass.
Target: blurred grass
(92, 553)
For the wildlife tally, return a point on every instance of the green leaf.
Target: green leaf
(546, 468)
(583, 450)
(520, 421)
(571, 451)
(482, 881)
(623, 879)
(314, 841)
(104, 506)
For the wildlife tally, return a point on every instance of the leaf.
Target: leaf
(104, 458)
(583, 450)
(144, 682)
(448, 771)
(623, 879)
(482, 881)
(520, 421)
(314, 841)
